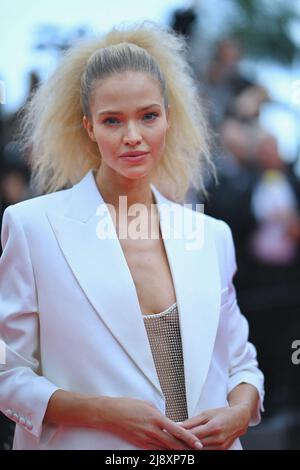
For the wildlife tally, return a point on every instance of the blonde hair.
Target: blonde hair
(52, 125)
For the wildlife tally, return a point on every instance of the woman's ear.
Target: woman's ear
(89, 128)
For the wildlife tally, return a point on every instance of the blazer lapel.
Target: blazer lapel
(195, 275)
(101, 270)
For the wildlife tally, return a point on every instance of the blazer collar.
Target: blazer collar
(102, 272)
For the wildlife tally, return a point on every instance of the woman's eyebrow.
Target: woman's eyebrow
(143, 108)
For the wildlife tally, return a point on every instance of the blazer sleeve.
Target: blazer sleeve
(243, 365)
(24, 394)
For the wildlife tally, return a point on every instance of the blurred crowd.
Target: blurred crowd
(257, 193)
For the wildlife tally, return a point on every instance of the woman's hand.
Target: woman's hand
(218, 428)
(136, 421)
(140, 423)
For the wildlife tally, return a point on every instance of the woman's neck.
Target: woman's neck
(136, 191)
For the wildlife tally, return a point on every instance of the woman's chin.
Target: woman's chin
(137, 173)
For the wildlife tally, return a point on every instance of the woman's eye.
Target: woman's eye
(150, 116)
(111, 121)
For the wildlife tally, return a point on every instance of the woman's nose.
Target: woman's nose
(132, 136)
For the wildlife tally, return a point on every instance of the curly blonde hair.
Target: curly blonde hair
(61, 151)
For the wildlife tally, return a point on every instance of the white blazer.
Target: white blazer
(70, 317)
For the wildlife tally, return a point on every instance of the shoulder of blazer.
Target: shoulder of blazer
(31, 210)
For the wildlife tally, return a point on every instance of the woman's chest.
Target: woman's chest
(149, 267)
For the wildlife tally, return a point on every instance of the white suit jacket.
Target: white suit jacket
(70, 317)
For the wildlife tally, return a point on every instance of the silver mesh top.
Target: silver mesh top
(163, 330)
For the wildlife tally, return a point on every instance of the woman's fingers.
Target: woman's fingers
(212, 441)
(192, 422)
(205, 430)
(171, 442)
(186, 437)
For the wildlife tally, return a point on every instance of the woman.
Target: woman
(119, 319)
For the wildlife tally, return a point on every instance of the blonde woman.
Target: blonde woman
(119, 320)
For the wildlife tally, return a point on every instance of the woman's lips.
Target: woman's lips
(133, 156)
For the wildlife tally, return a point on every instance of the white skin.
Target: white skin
(128, 113)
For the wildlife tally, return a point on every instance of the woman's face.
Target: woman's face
(129, 122)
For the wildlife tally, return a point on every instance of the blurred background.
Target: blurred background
(246, 59)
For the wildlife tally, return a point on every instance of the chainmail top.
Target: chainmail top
(163, 330)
